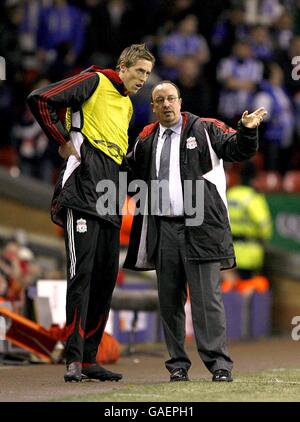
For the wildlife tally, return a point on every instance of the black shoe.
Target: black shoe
(97, 372)
(179, 374)
(221, 375)
(73, 372)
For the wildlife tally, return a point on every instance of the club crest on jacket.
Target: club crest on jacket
(81, 226)
(191, 143)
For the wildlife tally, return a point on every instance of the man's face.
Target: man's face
(166, 104)
(135, 76)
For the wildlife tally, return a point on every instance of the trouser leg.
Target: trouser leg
(208, 314)
(81, 233)
(103, 280)
(172, 292)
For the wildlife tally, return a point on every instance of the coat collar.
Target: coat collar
(187, 120)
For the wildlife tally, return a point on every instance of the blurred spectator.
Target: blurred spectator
(251, 224)
(28, 269)
(18, 272)
(229, 28)
(57, 23)
(283, 31)
(11, 272)
(184, 41)
(38, 157)
(10, 259)
(113, 25)
(238, 74)
(261, 43)
(63, 66)
(10, 37)
(30, 23)
(6, 115)
(31, 272)
(162, 16)
(3, 282)
(10, 49)
(277, 136)
(296, 14)
(194, 87)
(163, 19)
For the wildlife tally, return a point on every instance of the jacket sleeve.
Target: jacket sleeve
(230, 144)
(45, 103)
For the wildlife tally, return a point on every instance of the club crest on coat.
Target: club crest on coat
(81, 226)
(191, 143)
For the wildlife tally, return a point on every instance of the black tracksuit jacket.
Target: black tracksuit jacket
(211, 240)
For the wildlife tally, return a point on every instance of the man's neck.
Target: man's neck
(176, 127)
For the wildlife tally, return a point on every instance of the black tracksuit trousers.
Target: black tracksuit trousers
(92, 246)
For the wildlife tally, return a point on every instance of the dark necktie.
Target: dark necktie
(163, 174)
(164, 165)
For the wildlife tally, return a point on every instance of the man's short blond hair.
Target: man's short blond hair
(130, 55)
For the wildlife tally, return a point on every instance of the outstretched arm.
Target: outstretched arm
(232, 145)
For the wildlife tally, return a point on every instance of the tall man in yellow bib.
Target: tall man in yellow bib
(93, 140)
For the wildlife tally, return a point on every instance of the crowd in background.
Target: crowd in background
(18, 274)
(226, 56)
(20, 269)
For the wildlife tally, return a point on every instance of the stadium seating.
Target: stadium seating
(8, 156)
(268, 181)
(232, 178)
(291, 181)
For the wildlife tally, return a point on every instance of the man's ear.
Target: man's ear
(122, 67)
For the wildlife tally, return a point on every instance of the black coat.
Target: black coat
(204, 144)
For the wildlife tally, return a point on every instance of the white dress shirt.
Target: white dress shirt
(175, 185)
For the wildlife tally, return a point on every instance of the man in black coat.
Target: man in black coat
(183, 229)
